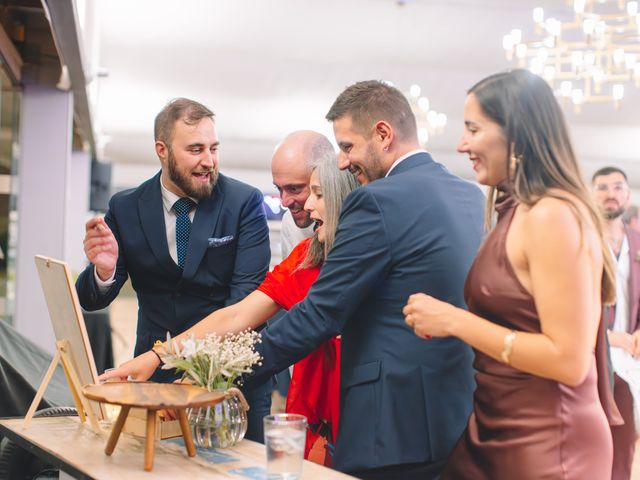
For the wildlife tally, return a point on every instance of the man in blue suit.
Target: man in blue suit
(412, 227)
(184, 262)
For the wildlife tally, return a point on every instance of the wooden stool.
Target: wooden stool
(152, 397)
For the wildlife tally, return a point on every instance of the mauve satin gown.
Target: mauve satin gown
(523, 426)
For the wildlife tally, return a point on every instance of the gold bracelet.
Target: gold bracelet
(507, 347)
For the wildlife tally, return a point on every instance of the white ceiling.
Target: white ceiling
(268, 67)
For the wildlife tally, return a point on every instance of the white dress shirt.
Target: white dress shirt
(291, 234)
(623, 270)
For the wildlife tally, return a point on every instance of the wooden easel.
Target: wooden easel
(73, 349)
(83, 405)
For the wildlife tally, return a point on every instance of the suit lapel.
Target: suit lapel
(202, 227)
(634, 279)
(150, 210)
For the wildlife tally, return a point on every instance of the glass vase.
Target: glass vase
(219, 426)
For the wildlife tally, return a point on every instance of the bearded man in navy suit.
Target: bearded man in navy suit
(183, 264)
(412, 227)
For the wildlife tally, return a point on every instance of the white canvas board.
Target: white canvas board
(67, 320)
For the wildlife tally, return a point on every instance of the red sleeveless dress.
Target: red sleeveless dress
(314, 390)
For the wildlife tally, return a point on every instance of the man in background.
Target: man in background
(191, 239)
(611, 193)
(291, 169)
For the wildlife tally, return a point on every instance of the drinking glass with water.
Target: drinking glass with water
(284, 438)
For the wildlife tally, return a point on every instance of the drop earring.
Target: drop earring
(514, 162)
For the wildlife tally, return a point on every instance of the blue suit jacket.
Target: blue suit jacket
(402, 399)
(216, 273)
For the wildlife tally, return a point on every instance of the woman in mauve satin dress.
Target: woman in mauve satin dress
(535, 295)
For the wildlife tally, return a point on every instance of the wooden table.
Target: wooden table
(78, 451)
(151, 397)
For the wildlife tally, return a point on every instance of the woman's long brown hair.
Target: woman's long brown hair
(537, 137)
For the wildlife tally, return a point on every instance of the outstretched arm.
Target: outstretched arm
(252, 311)
(357, 262)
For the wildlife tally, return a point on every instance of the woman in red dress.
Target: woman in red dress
(315, 384)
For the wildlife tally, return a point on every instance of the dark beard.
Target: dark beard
(187, 184)
(613, 214)
(375, 169)
(306, 221)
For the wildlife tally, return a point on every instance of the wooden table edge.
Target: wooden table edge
(44, 454)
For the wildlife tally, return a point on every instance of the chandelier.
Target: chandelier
(587, 59)
(429, 122)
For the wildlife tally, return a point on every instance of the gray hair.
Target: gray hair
(336, 184)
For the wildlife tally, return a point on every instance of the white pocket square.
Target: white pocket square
(219, 242)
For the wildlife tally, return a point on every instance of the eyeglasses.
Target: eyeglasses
(616, 187)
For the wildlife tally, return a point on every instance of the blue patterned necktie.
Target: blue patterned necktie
(182, 207)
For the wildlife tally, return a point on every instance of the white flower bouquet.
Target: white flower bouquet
(213, 362)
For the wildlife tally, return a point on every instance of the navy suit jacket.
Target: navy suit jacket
(402, 399)
(216, 274)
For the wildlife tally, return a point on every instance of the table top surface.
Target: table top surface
(79, 451)
(152, 396)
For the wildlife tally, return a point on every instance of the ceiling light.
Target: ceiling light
(587, 57)
(430, 123)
